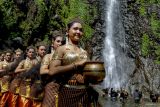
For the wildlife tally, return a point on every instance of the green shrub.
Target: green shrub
(145, 45)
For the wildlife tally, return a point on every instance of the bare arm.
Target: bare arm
(20, 67)
(44, 69)
(20, 70)
(56, 68)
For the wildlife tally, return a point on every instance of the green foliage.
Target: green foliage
(140, 1)
(10, 13)
(38, 18)
(157, 52)
(144, 4)
(41, 12)
(78, 9)
(155, 25)
(142, 11)
(148, 1)
(153, 1)
(21, 23)
(46, 39)
(150, 47)
(14, 34)
(34, 20)
(145, 45)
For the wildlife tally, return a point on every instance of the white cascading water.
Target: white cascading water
(113, 58)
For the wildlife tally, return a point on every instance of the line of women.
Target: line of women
(53, 80)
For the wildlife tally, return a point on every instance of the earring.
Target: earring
(66, 38)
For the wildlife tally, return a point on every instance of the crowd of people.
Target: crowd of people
(36, 79)
(123, 95)
(115, 94)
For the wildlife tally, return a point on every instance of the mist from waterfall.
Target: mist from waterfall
(113, 53)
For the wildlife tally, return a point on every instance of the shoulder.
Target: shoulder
(23, 61)
(46, 59)
(47, 56)
(3, 62)
(61, 48)
(35, 61)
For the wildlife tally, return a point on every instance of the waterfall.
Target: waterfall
(113, 53)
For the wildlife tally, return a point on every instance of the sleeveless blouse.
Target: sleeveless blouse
(70, 57)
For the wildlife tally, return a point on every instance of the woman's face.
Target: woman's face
(41, 51)
(18, 55)
(57, 42)
(75, 32)
(31, 53)
(2, 57)
(8, 56)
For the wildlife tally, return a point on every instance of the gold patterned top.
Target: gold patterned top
(47, 59)
(25, 85)
(27, 63)
(45, 63)
(39, 59)
(5, 80)
(4, 64)
(70, 56)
